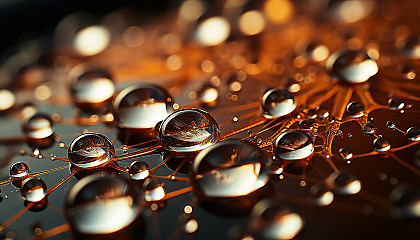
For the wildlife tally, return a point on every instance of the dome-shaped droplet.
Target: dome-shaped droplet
(92, 86)
(351, 66)
(141, 106)
(409, 46)
(369, 128)
(293, 145)
(7, 99)
(270, 219)
(100, 204)
(38, 126)
(229, 169)
(390, 125)
(344, 183)
(310, 113)
(33, 189)
(305, 125)
(90, 150)
(355, 109)
(154, 190)
(413, 134)
(316, 51)
(277, 102)
(321, 195)
(292, 85)
(395, 103)
(405, 202)
(19, 170)
(381, 145)
(345, 153)
(322, 112)
(188, 130)
(138, 170)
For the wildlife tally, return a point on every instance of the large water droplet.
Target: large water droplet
(395, 103)
(141, 106)
(413, 134)
(351, 66)
(154, 190)
(19, 170)
(229, 169)
(90, 150)
(100, 204)
(92, 86)
(405, 201)
(138, 170)
(277, 102)
(270, 219)
(188, 130)
(381, 145)
(355, 109)
(344, 183)
(293, 145)
(33, 189)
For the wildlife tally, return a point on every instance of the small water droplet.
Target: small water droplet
(413, 134)
(191, 226)
(306, 125)
(344, 183)
(138, 170)
(322, 196)
(33, 189)
(154, 190)
(235, 118)
(310, 113)
(293, 145)
(124, 148)
(381, 145)
(390, 125)
(345, 153)
(350, 135)
(277, 102)
(355, 109)
(322, 112)
(395, 104)
(19, 170)
(369, 128)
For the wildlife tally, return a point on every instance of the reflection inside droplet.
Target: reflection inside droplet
(293, 145)
(277, 102)
(33, 189)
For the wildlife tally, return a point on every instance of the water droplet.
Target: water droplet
(322, 196)
(306, 125)
(351, 66)
(390, 125)
(270, 219)
(350, 135)
(188, 209)
(407, 71)
(141, 106)
(322, 112)
(33, 189)
(355, 109)
(293, 145)
(101, 204)
(90, 150)
(258, 139)
(405, 201)
(413, 134)
(235, 118)
(92, 87)
(276, 167)
(345, 153)
(369, 128)
(310, 113)
(208, 96)
(138, 170)
(38, 126)
(344, 183)
(277, 102)
(188, 130)
(229, 169)
(381, 145)
(7, 99)
(191, 226)
(395, 104)
(19, 170)
(154, 190)
(409, 46)
(292, 85)
(316, 51)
